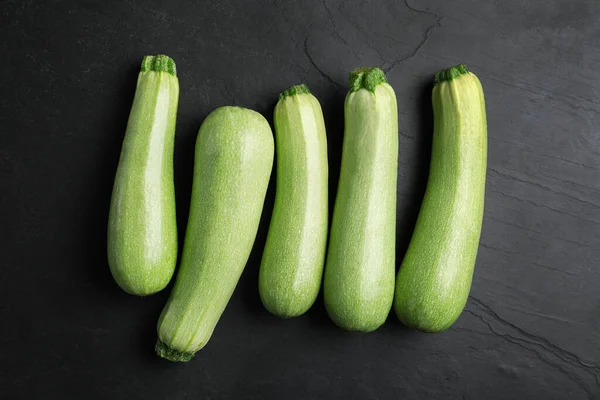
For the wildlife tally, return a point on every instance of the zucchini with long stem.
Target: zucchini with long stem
(294, 256)
(232, 166)
(360, 267)
(142, 229)
(435, 277)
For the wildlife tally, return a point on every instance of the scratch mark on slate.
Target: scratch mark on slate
(540, 346)
(518, 253)
(539, 185)
(542, 315)
(575, 95)
(406, 135)
(522, 293)
(332, 21)
(544, 95)
(559, 179)
(538, 153)
(544, 233)
(539, 264)
(570, 182)
(579, 217)
(314, 64)
(359, 28)
(426, 36)
(545, 266)
(367, 36)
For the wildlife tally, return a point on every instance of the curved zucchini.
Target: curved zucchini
(142, 229)
(292, 264)
(360, 268)
(434, 280)
(233, 161)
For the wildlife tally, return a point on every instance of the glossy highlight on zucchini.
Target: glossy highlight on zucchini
(142, 229)
(294, 256)
(360, 267)
(435, 277)
(232, 166)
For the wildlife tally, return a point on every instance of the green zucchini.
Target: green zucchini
(435, 277)
(233, 162)
(292, 264)
(142, 229)
(360, 267)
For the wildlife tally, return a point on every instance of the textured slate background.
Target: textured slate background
(531, 327)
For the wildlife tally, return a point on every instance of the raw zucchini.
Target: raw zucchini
(292, 265)
(233, 161)
(142, 229)
(359, 273)
(435, 277)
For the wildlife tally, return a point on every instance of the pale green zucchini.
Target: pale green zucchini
(142, 229)
(233, 162)
(292, 264)
(360, 268)
(435, 277)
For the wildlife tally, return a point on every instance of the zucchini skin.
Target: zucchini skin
(434, 280)
(233, 162)
(360, 267)
(142, 226)
(292, 265)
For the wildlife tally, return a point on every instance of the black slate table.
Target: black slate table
(531, 327)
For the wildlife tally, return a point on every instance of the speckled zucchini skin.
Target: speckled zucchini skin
(360, 267)
(292, 265)
(434, 280)
(232, 166)
(142, 228)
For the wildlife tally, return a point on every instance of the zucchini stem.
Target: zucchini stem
(366, 78)
(294, 90)
(171, 354)
(159, 63)
(450, 73)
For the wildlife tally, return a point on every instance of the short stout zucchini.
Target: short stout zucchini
(434, 280)
(292, 264)
(360, 268)
(233, 161)
(142, 229)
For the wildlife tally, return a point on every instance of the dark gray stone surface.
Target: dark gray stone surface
(531, 328)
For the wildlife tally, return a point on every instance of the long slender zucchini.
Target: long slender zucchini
(233, 162)
(435, 277)
(360, 268)
(294, 256)
(142, 229)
